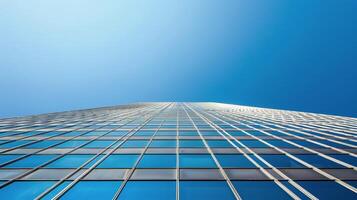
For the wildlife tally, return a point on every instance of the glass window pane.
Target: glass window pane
(191, 143)
(93, 190)
(15, 143)
(119, 161)
(345, 158)
(55, 191)
(234, 161)
(135, 143)
(163, 143)
(281, 161)
(327, 190)
(196, 161)
(260, 190)
(319, 161)
(207, 190)
(44, 144)
(158, 161)
(219, 143)
(72, 144)
(254, 143)
(99, 144)
(70, 161)
(24, 189)
(7, 158)
(149, 190)
(31, 161)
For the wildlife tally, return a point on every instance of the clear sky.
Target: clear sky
(70, 54)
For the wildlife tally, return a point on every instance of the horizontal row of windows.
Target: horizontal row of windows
(253, 143)
(169, 161)
(166, 190)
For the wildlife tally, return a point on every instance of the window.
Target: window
(196, 161)
(99, 144)
(191, 143)
(93, 190)
(345, 158)
(280, 144)
(7, 158)
(234, 161)
(207, 190)
(44, 144)
(149, 190)
(260, 190)
(188, 133)
(24, 189)
(219, 144)
(281, 161)
(254, 143)
(319, 161)
(158, 161)
(31, 161)
(163, 143)
(70, 161)
(15, 143)
(327, 190)
(135, 143)
(119, 161)
(72, 144)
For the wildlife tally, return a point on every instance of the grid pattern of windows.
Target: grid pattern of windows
(178, 151)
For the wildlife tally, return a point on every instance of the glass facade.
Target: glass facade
(178, 151)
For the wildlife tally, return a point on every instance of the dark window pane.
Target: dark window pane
(31, 161)
(260, 190)
(163, 143)
(282, 161)
(93, 190)
(24, 189)
(119, 161)
(149, 190)
(158, 161)
(319, 161)
(328, 190)
(191, 143)
(205, 190)
(70, 161)
(196, 161)
(234, 161)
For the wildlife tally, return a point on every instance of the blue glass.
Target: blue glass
(157, 161)
(93, 190)
(99, 144)
(234, 161)
(297, 192)
(328, 190)
(144, 133)
(333, 144)
(15, 143)
(93, 161)
(307, 144)
(282, 161)
(55, 191)
(219, 144)
(53, 133)
(74, 133)
(319, 161)
(31, 161)
(44, 144)
(117, 133)
(255, 132)
(260, 190)
(254, 143)
(191, 143)
(95, 133)
(72, 144)
(69, 161)
(166, 133)
(149, 190)
(236, 133)
(7, 158)
(24, 189)
(345, 158)
(188, 133)
(280, 144)
(205, 190)
(210, 133)
(135, 143)
(196, 161)
(163, 143)
(119, 161)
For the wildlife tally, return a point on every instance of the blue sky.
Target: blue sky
(64, 55)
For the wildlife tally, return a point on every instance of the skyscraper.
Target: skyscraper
(170, 151)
